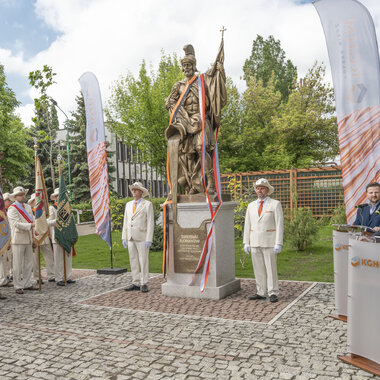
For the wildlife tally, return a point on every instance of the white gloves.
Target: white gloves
(277, 249)
(247, 248)
(148, 244)
(125, 244)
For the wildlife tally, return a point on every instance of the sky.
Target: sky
(111, 38)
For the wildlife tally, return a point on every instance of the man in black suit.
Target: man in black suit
(369, 215)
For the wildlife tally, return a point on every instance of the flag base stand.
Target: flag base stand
(362, 363)
(112, 271)
(339, 317)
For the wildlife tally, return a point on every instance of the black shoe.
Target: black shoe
(52, 280)
(257, 297)
(144, 288)
(61, 283)
(132, 287)
(273, 298)
(71, 281)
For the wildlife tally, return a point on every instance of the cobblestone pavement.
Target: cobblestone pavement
(235, 307)
(58, 334)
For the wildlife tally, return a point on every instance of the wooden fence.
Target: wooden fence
(320, 189)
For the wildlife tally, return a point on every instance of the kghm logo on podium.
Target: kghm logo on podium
(355, 261)
(340, 246)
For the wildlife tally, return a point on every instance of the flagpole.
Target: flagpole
(63, 249)
(111, 240)
(35, 186)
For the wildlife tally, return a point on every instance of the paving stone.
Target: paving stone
(95, 330)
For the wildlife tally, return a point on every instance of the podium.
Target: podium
(340, 243)
(363, 306)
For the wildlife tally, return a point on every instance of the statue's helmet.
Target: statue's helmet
(189, 56)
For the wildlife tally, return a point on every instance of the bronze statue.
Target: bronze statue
(184, 133)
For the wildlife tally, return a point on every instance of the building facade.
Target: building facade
(129, 167)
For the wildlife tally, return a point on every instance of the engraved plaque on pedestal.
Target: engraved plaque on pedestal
(188, 246)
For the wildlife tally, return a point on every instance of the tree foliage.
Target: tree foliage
(268, 59)
(15, 153)
(275, 134)
(45, 125)
(306, 126)
(136, 109)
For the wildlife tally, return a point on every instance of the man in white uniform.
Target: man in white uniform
(45, 248)
(137, 235)
(21, 221)
(58, 250)
(263, 236)
(6, 258)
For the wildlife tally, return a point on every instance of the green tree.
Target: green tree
(262, 132)
(46, 124)
(136, 109)
(267, 58)
(80, 183)
(242, 147)
(15, 153)
(230, 148)
(305, 129)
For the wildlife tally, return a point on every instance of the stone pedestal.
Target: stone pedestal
(187, 237)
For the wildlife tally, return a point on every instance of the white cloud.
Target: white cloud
(111, 37)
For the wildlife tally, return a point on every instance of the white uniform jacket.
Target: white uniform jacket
(265, 230)
(51, 222)
(21, 229)
(139, 225)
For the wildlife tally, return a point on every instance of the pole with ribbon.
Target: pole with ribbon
(59, 157)
(38, 246)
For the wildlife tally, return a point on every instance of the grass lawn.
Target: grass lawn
(314, 264)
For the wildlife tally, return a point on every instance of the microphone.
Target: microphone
(362, 205)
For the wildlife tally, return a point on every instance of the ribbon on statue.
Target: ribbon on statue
(207, 247)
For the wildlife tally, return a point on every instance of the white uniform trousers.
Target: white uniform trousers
(22, 265)
(3, 269)
(139, 258)
(9, 255)
(47, 252)
(58, 263)
(6, 267)
(265, 268)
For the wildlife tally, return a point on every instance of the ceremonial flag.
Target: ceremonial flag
(65, 231)
(5, 231)
(41, 229)
(97, 156)
(354, 59)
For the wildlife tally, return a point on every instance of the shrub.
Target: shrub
(339, 215)
(117, 216)
(302, 230)
(234, 186)
(85, 216)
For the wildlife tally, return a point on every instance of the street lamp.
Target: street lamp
(67, 140)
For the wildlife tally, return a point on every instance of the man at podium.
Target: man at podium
(369, 213)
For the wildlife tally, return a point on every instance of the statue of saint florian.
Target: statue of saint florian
(184, 133)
